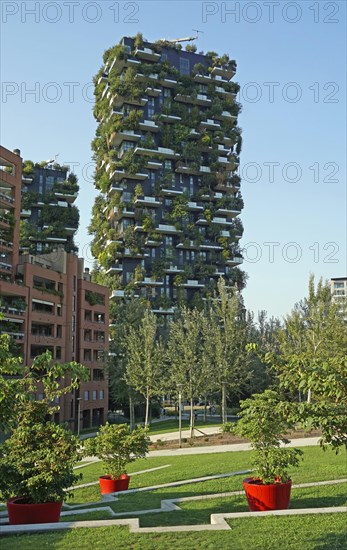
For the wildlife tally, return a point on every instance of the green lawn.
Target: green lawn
(318, 532)
(166, 426)
(323, 532)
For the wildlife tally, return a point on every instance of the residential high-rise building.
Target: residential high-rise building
(48, 302)
(49, 217)
(339, 293)
(166, 224)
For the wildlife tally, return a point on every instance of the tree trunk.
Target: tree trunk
(205, 409)
(191, 418)
(309, 396)
(224, 408)
(147, 411)
(131, 411)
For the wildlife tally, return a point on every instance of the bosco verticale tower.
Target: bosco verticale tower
(166, 223)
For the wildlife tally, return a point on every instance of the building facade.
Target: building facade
(49, 216)
(166, 223)
(339, 293)
(48, 302)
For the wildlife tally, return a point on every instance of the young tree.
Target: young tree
(313, 360)
(145, 359)
(187, 355)
(123, 315)
(228, 329)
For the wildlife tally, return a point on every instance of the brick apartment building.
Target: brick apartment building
(48, 302)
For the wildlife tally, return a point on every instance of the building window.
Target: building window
(58, 353)
(339, 285)
(163, 57)
(59, 331)
(184, 66)
(59, 310)
(95, 395)
(86, 395)
(101, 394)
(150, 107)
(40, 397)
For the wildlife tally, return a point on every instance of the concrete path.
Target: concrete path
(301, 442)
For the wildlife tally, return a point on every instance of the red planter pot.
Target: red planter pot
(20, 512)
(109, 485)
(260, 497)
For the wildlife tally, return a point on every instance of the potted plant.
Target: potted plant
(37, 460)
(263, 421)
(116, 446)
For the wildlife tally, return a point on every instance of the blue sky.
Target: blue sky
(291, 67)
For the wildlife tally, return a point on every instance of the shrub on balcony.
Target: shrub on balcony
(28, 168)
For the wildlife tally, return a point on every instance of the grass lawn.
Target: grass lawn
(323, 532)
(318, 532)
(166, 426)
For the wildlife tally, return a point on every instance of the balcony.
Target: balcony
(228, 212)
(224, 93)
(154, 165)
(168, 82)
(119, 64)
(170, 190)
(225, 115)
(201, 221)
(8, 245)
(128, 135)
(117, 294)
(118, 101)
(234, 261)
(147, 54)
(4, 222)
(115, 189)
(149, 126)
(223, 150)
(17, 336)
(4, 266)
(25, 213)
(115, 268)
(193, 283)
(66, 196)
(147, 201)
(7, 200)
(124, 213)
(200, 99)
(210, 246)
(186, 169)
(10, 310)
(161, 151)
(210, 124)
(226, 71)
(169, 118)
(139, 77)
(119, 175)
(188, 245)
(153, 242)
(204, 170)
(169, 229)
(230, 163)
(221, 221)
(203, 78)
(173, 270)
(194, 134)
(148, 281)
(164, 311)
(153, 91)
(194, 207)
